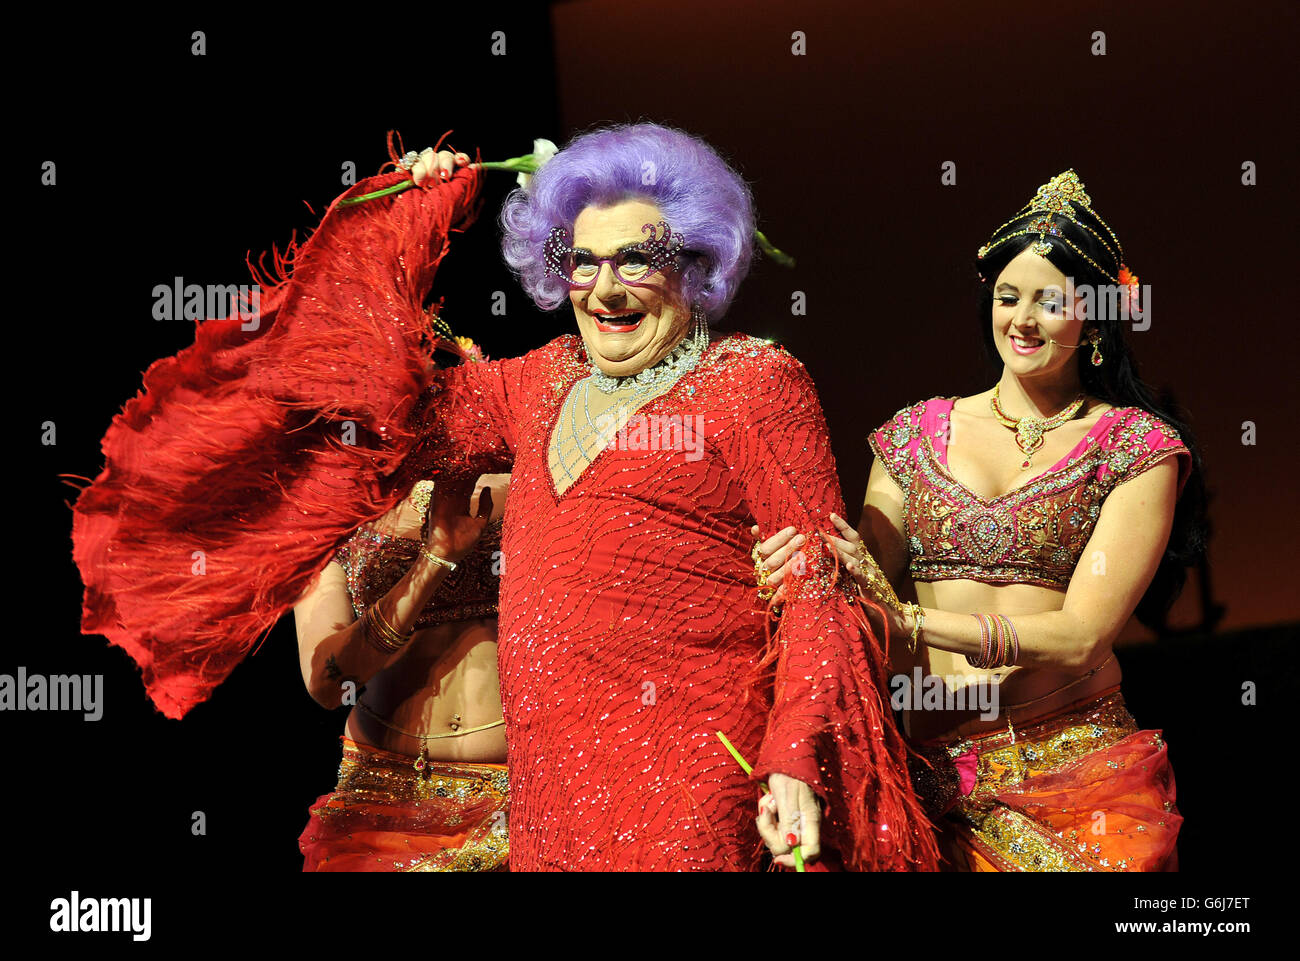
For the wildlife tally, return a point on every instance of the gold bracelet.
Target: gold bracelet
(374, 637)
(761, 574)
(382, 634)
(440, 561)
(917, 613)
(876, 581)
(1013, 648)
(392, 632)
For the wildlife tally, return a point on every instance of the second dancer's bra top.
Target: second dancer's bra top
(375, 561)
(1034, 534)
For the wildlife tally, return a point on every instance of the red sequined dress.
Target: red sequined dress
(631, 632)
(630, 628)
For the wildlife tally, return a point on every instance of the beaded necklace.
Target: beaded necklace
(1030, 430)
(653, 380)
(667, 371)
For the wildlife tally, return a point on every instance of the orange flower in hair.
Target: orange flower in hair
(1130, 287)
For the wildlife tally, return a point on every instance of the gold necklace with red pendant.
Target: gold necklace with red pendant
(1030, 430)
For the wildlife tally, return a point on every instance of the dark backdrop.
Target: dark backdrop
(173, 165)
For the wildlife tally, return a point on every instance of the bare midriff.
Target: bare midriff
(1023, 693)
(445, 683)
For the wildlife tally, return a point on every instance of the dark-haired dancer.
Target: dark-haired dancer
(406, 612)
(1033, 519)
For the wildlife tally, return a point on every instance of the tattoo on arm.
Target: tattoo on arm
(332, 669)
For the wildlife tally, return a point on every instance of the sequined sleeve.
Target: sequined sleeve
(466, 420)
(895, 443)
(828, 726)
(1137, 443)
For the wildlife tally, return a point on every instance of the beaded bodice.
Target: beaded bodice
(631, 631)
(375, 561)
(1034, 534)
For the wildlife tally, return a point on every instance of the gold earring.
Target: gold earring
(1095, 339)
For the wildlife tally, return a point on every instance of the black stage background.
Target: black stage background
(173, 165)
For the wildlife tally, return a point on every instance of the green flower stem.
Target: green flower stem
(528, 164)
(387, 191)
(798, 849)
(779, 256)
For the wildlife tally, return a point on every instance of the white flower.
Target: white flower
(543, 150)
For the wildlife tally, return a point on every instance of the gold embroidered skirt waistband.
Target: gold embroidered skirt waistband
(384, 815)
(985, 763)
(369, 769)
(1007, 758)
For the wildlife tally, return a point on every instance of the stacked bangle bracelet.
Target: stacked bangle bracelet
(999, 642)
(380, 633)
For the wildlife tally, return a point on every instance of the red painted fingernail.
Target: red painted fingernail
(792, 839)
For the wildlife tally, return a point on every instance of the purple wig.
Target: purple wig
(699, 195)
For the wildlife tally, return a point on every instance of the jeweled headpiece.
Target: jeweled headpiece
(1062, 197)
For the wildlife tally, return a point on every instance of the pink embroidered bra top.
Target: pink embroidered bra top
(1034, 534)
(374, 562)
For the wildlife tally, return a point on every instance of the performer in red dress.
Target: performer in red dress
(642, 452)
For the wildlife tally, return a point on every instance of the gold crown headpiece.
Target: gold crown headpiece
(1059, 197)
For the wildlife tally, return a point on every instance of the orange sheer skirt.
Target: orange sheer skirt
(386, 816)
(1081, 790)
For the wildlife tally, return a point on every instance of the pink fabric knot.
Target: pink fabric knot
(966, 765)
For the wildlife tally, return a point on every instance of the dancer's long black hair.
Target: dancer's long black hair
(1115, 381)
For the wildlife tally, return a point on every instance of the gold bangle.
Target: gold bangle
(392, 632)
(376, 634)
(387, 635)
(377, 637)
(440, 561)
(1012, 653)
